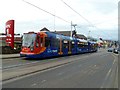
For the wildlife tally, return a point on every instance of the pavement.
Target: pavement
(7, 56)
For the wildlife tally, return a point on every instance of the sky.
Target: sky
(96, 18)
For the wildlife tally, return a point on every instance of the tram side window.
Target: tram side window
(81, 45)
(41, 42)
(52, 42)
(55, 42)
(93, 46)
(37, 41)
(65, 44)
(47, 42)
(72, 44)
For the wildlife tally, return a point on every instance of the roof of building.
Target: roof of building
(45, 29)
(65, 33)
(68, 33)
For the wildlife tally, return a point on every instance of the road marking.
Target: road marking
(115, 58)
(79, 65)
(103, 55)
(46, 69)
(114, 55)
(60, 73)
(8, 67)
(43, 81)
(114, 61)
(34, 84)
(106, 78)
(12, 66)
(108, 74)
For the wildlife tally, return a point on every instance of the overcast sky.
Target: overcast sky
(103, 14)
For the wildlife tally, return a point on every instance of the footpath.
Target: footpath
(7, 56)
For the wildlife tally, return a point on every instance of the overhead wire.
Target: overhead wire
(58, 16)
(92, 25)
(45, 11)
(77, 13)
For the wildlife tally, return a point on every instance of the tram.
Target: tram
(49, 44)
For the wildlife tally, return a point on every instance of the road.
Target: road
(96, 70)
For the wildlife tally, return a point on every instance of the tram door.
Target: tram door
(40, 42)
(65, 46)
(37, 45)
(60, 51)
(69, 47)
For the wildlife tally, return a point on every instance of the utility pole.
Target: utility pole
(89, 33)
(71, 29)
(54, 21)
(74, 27)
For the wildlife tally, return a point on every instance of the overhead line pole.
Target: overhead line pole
(81, 15)
(71, 29)
(54, 22)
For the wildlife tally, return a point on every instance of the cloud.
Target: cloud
(101, 13)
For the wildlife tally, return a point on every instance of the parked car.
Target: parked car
(116, 50)
(110, 50)
(119, 49)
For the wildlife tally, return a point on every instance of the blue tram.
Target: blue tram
(48, 44)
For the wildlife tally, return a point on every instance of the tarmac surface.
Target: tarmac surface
(96, 70)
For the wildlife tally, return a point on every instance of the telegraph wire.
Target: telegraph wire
(45, 11)
(98, 35)
(92, 25)
(58, 16)
(77, 13)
